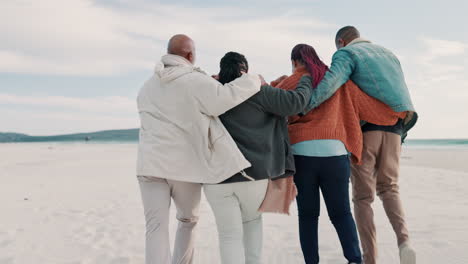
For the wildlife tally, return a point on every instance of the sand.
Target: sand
(80, 203)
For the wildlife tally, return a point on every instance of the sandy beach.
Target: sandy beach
(80, 203)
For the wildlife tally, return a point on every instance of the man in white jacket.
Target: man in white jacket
(182, 144)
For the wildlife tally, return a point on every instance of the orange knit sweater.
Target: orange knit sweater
(339, 117)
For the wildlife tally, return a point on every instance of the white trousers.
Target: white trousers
(235, 207)
(156, 194)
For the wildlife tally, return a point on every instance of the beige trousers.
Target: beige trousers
(156, 194)
(378, 174)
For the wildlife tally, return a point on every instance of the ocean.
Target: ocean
(410, 143)
(130, 136)
(437, 143)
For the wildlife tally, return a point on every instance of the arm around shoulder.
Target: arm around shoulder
(215, 99)
(286, 103)
(339, 73)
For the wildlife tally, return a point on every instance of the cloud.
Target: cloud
(91, 38)
(112, 104)
(66, 37)
(439, 83)
(88, 38)
(35, 122)
(108, 38)
(441, 60)
(39, 115)
(436, 48)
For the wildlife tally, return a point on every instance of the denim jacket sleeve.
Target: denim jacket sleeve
(340, 71)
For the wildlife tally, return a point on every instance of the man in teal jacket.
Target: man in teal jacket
(377, 71)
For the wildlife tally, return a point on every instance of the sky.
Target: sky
(76, 65)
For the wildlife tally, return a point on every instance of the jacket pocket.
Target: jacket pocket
(216, 131)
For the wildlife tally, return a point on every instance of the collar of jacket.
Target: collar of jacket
(170, 60)
(172, 67)
(300, 70)
(358, 40)
(175, 60)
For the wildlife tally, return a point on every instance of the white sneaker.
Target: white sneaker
(407, 254)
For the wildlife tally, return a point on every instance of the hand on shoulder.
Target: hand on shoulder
(262, 80)
(280, 79)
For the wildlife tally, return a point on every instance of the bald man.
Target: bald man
(183, 144)
(377, 71)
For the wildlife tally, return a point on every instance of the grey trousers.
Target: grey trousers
(240, 230)
(156, 194)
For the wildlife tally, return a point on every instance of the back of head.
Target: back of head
(345, 35)
(182, 45)
(307, 56)
(231, 67)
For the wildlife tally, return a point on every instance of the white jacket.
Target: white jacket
(181, 136)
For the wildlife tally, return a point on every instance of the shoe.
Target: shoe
(407, 254)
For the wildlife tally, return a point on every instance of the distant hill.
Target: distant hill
(101, 136)
(131, 135)
(11, 137)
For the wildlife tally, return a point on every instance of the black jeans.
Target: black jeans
(331, 176)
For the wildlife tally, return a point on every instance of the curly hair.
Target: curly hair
(231, 66)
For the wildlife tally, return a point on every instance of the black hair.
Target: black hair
(231, 66)
(347, 33)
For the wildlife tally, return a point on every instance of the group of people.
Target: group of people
(254, 147)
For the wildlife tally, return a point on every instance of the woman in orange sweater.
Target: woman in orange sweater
(322, 141)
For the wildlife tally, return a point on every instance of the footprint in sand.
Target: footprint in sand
(84, 234)
(5, 243)
(120, 260)
(7, 260)
(97, 237)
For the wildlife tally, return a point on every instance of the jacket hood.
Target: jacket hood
(172, 67)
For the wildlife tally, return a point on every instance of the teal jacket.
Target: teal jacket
(376, 70)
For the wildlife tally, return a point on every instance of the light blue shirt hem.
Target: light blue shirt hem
(320, 148)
